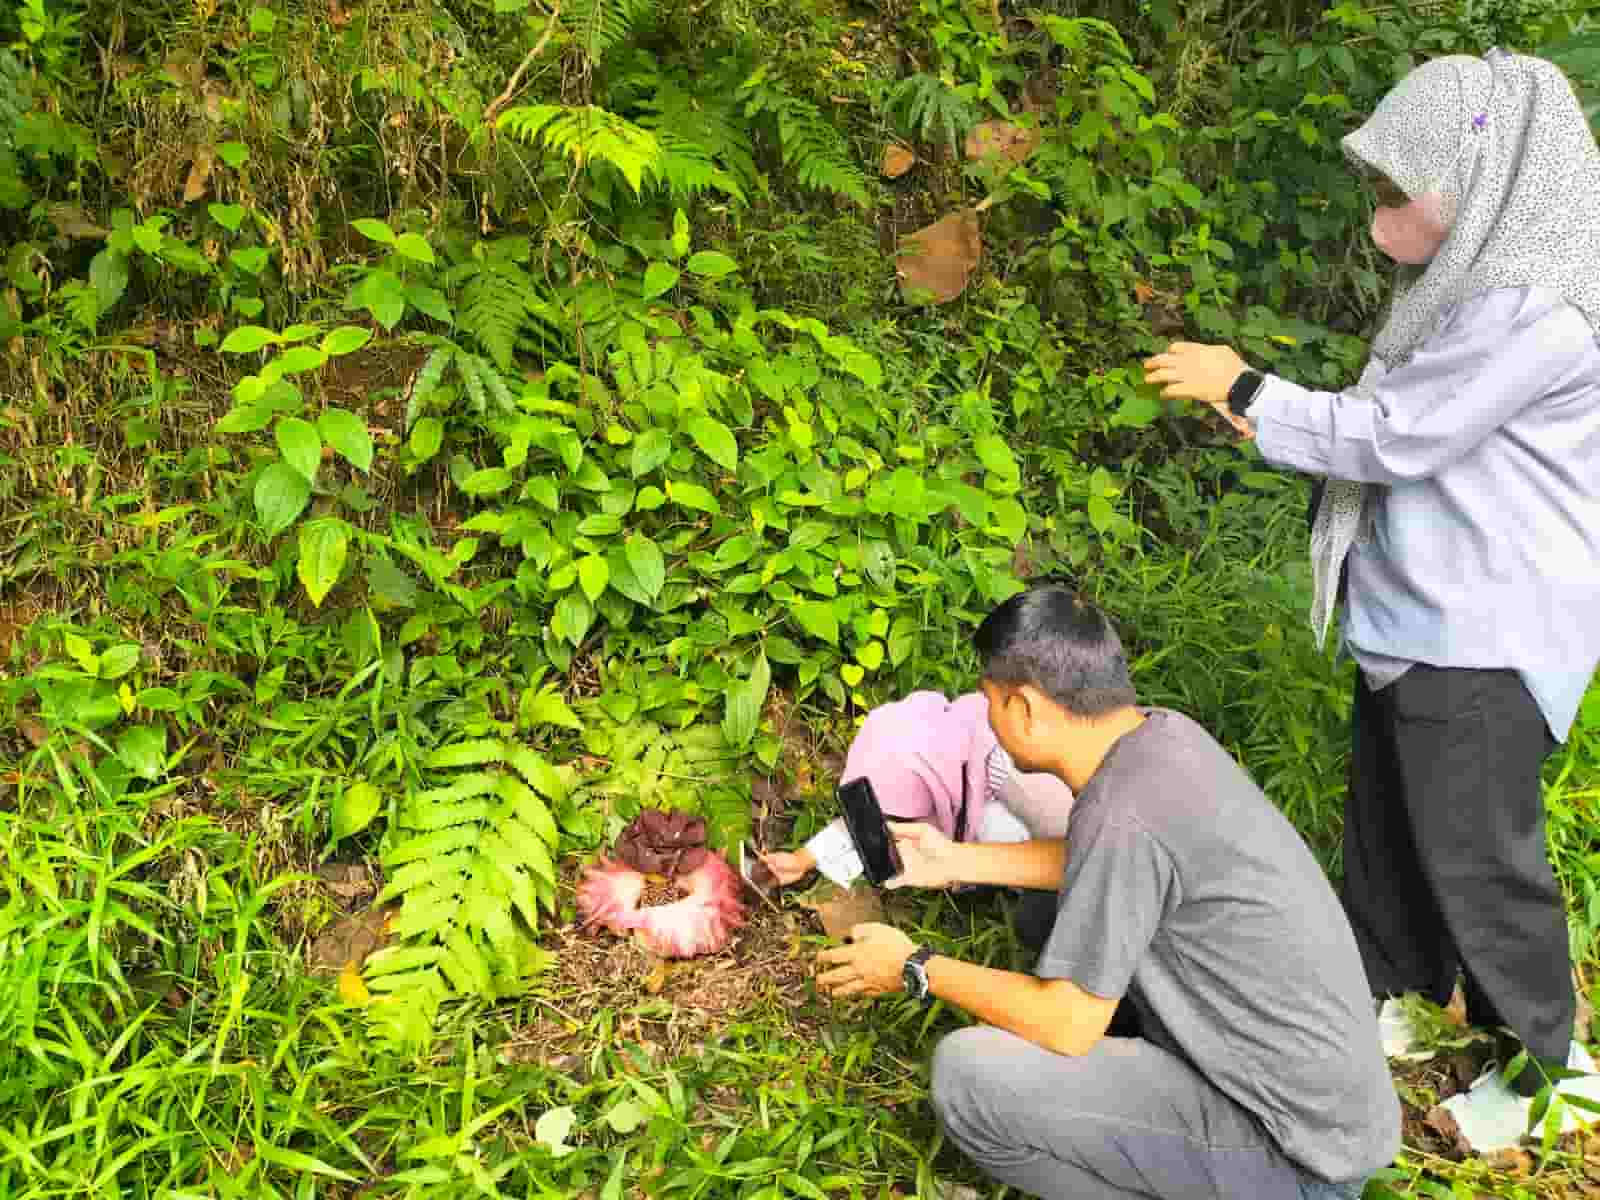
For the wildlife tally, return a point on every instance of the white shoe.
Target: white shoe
(1491, 1116)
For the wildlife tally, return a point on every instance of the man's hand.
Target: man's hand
(1190, 371)
(869, 965)
(928, 859)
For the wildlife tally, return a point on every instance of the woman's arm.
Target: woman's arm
(1497, 354)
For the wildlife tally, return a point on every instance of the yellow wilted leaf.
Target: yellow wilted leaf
(1283, 339)
(353, 988)
(657, 979)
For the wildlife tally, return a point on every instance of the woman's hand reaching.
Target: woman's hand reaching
(790, 865)
(1190, 371)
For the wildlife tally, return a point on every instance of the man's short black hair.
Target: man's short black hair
(1048, 637)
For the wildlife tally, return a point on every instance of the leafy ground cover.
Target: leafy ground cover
(431, 432)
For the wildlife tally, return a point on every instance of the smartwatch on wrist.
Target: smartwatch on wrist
(1244, 391)
(915, 974)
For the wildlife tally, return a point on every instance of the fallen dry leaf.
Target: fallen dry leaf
(897, 160)
(937, 260)
(199, 175)
(348, 940)
(352, 988)
(840, 909)
(657, 979)
(1510, 1160)
(1001, 139)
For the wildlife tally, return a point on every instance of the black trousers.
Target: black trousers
(1444, 851)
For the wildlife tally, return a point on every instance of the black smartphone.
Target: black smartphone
(869, 831)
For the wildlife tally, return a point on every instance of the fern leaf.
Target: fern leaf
(588, 133)
(811, 147)
(473, 753)
(598, 25)
(473, 866)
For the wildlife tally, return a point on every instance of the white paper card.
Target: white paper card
(836, 854)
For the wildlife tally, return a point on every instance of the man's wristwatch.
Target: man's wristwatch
(915, 974)
(1244, 391)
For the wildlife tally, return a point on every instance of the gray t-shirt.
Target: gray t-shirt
(1188, 890)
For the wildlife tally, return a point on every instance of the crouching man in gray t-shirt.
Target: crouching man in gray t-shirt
(1258, 1071)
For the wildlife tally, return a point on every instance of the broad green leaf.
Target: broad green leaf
(600, 525)
(347, 434)
(354, 808)
(415, 247)
(247, 339)
(870, 655)
(234, 154)
(680, 234)
(650, 449)
(375, 230)
(648, 563)
(245, 418)
(627, 1115)
(345, 340)
(658, 279)
(297, 359)
(117, 661)
(745, 700)
(281, 493)
(323, 546)
(143, 750)
(712, 264)
(692, 495)
(1137, 410)
(877, 560)
(573, 616)
(716, 440)
(300, 444)
(593, 575)
(108, 275)
(817, 618)
(389, 587)
(229, 216)
(427, 435)
(489, 481)
(996, 456)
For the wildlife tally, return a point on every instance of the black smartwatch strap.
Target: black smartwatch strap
(1244, 391)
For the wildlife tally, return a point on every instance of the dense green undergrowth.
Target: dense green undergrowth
(431, 431)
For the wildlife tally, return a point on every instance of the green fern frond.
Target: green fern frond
(472, 864)
(598, 25)
(929, 108)
(704, 139)
(811, 147)
(588, 132)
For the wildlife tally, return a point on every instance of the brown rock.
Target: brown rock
(937, 260)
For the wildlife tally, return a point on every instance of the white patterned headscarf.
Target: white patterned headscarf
(1504, 144)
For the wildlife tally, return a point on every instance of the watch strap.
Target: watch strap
(916, 969)
(1244, 391)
